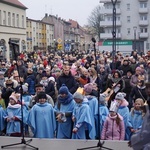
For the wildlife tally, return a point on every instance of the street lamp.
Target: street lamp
(114, 34)
(135, 28)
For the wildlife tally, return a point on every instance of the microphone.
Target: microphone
(93, 40)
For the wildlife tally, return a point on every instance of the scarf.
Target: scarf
(14, 106)
(65, 100)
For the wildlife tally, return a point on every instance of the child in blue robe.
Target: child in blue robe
(2, 121)
(82, 119)
(123, 110)
(26, 97)
(136, 116)
(93, 104)
(63, 110)
(13, 116)
(103, 112)
(41, 118)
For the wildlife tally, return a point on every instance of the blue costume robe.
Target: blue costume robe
(2, 121)
(103, 113)
(13, 126)
(64, 129)
(82, 114)
(141, 139)
(93, 104)
(124, 112)
(135, 120)
(27, 99)
(42, 120)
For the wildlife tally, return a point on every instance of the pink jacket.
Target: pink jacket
(112, 131)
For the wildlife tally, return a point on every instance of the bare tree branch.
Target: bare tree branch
(94, 21)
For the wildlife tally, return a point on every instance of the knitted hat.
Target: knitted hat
(42, 95)
(120, 96)
(52, 79)
(138, 68)
(102, 98)
(14, 97)
(63, 89)
(25, 87)
(78, 95)
(113, 107)
(88, 88)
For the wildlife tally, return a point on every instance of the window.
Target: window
(117, 18)
(27, 34)
(118, 30)
(128, 7)
(17, 17)
(143, 4)
(9, 19)
(128, 19)
(22, 21)
(27, 23)
(143, 17)
(13, 20)
(118, 5)
(128, 30)
(109, 18)
(4, 17)
(0, 17)
(143, 30)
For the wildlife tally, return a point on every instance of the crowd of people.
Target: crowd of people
(76, 95)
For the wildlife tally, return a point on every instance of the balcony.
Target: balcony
(109, 36)
(108, 1)
(106, 35)
(143, 0)
(109, 23)
(110, 11)
(143, 35)
(143, 22)
(143, 10)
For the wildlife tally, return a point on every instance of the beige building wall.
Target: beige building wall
(12, 25)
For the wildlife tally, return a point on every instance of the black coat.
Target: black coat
(135, 93)
(69, 81)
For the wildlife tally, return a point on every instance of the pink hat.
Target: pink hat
(138, 68)
(13, 96)
(88, 88)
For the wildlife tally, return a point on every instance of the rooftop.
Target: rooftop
(14, 3)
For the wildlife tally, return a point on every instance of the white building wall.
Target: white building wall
(132, 9)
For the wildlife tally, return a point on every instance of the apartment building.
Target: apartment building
(12, 27)
(132, 25)
(39, 35)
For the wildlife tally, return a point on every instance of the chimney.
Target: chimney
(46, 15)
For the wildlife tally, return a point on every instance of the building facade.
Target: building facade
(12, 27)
(132, 25)
(39, 35)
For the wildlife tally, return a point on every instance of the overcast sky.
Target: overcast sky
(77, 10)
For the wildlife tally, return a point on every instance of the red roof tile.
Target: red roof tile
(74, 24)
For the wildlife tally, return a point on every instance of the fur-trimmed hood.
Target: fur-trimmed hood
(15, 83)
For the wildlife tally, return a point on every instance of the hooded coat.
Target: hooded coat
(113, 131)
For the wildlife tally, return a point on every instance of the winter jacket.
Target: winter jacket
(113, 131)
